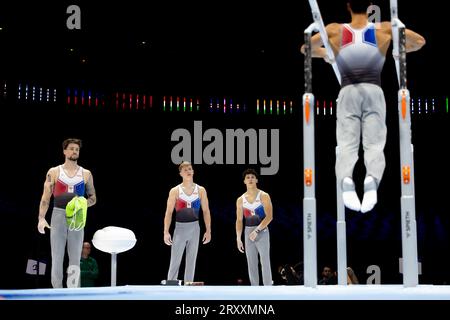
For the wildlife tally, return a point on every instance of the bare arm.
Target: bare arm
(49, 185)
(268, 210)
(239, 224)
(171, 200)
(317, 49)
(206, 215)
(267, 203)
(90, 190)
(414, 41)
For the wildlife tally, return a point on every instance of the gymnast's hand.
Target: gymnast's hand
(240, 245)
(167, 239)
(207, 237)
(253, 235)
(42, 224)
(327, 59)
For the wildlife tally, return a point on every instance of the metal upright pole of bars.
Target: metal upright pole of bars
(340, 225)
(341, 234)
(113, 269)
(408, 207)
(323, 34)
(309, 199)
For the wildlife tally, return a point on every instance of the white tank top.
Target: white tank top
(359, 59)
(187, 207)
(68, 187)
(253, 211)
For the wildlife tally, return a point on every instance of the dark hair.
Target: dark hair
(249, 171)
(69, 141)
(359, 6)
(290, 275)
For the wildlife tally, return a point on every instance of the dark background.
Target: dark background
(204, 51)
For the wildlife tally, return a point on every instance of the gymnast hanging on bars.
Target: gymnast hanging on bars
(360, 49)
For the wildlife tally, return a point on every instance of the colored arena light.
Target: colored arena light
(267, 106)
(273, 106)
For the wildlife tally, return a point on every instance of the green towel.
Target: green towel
(76, 211)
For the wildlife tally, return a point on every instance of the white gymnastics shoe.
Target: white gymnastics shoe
(370, 194)
(349, 195)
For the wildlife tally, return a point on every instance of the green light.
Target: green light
(446, 104)
(257, 106)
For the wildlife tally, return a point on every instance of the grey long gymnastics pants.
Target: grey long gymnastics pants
(361, 109)
(59, 235)
(186, 235)
(260, 246)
